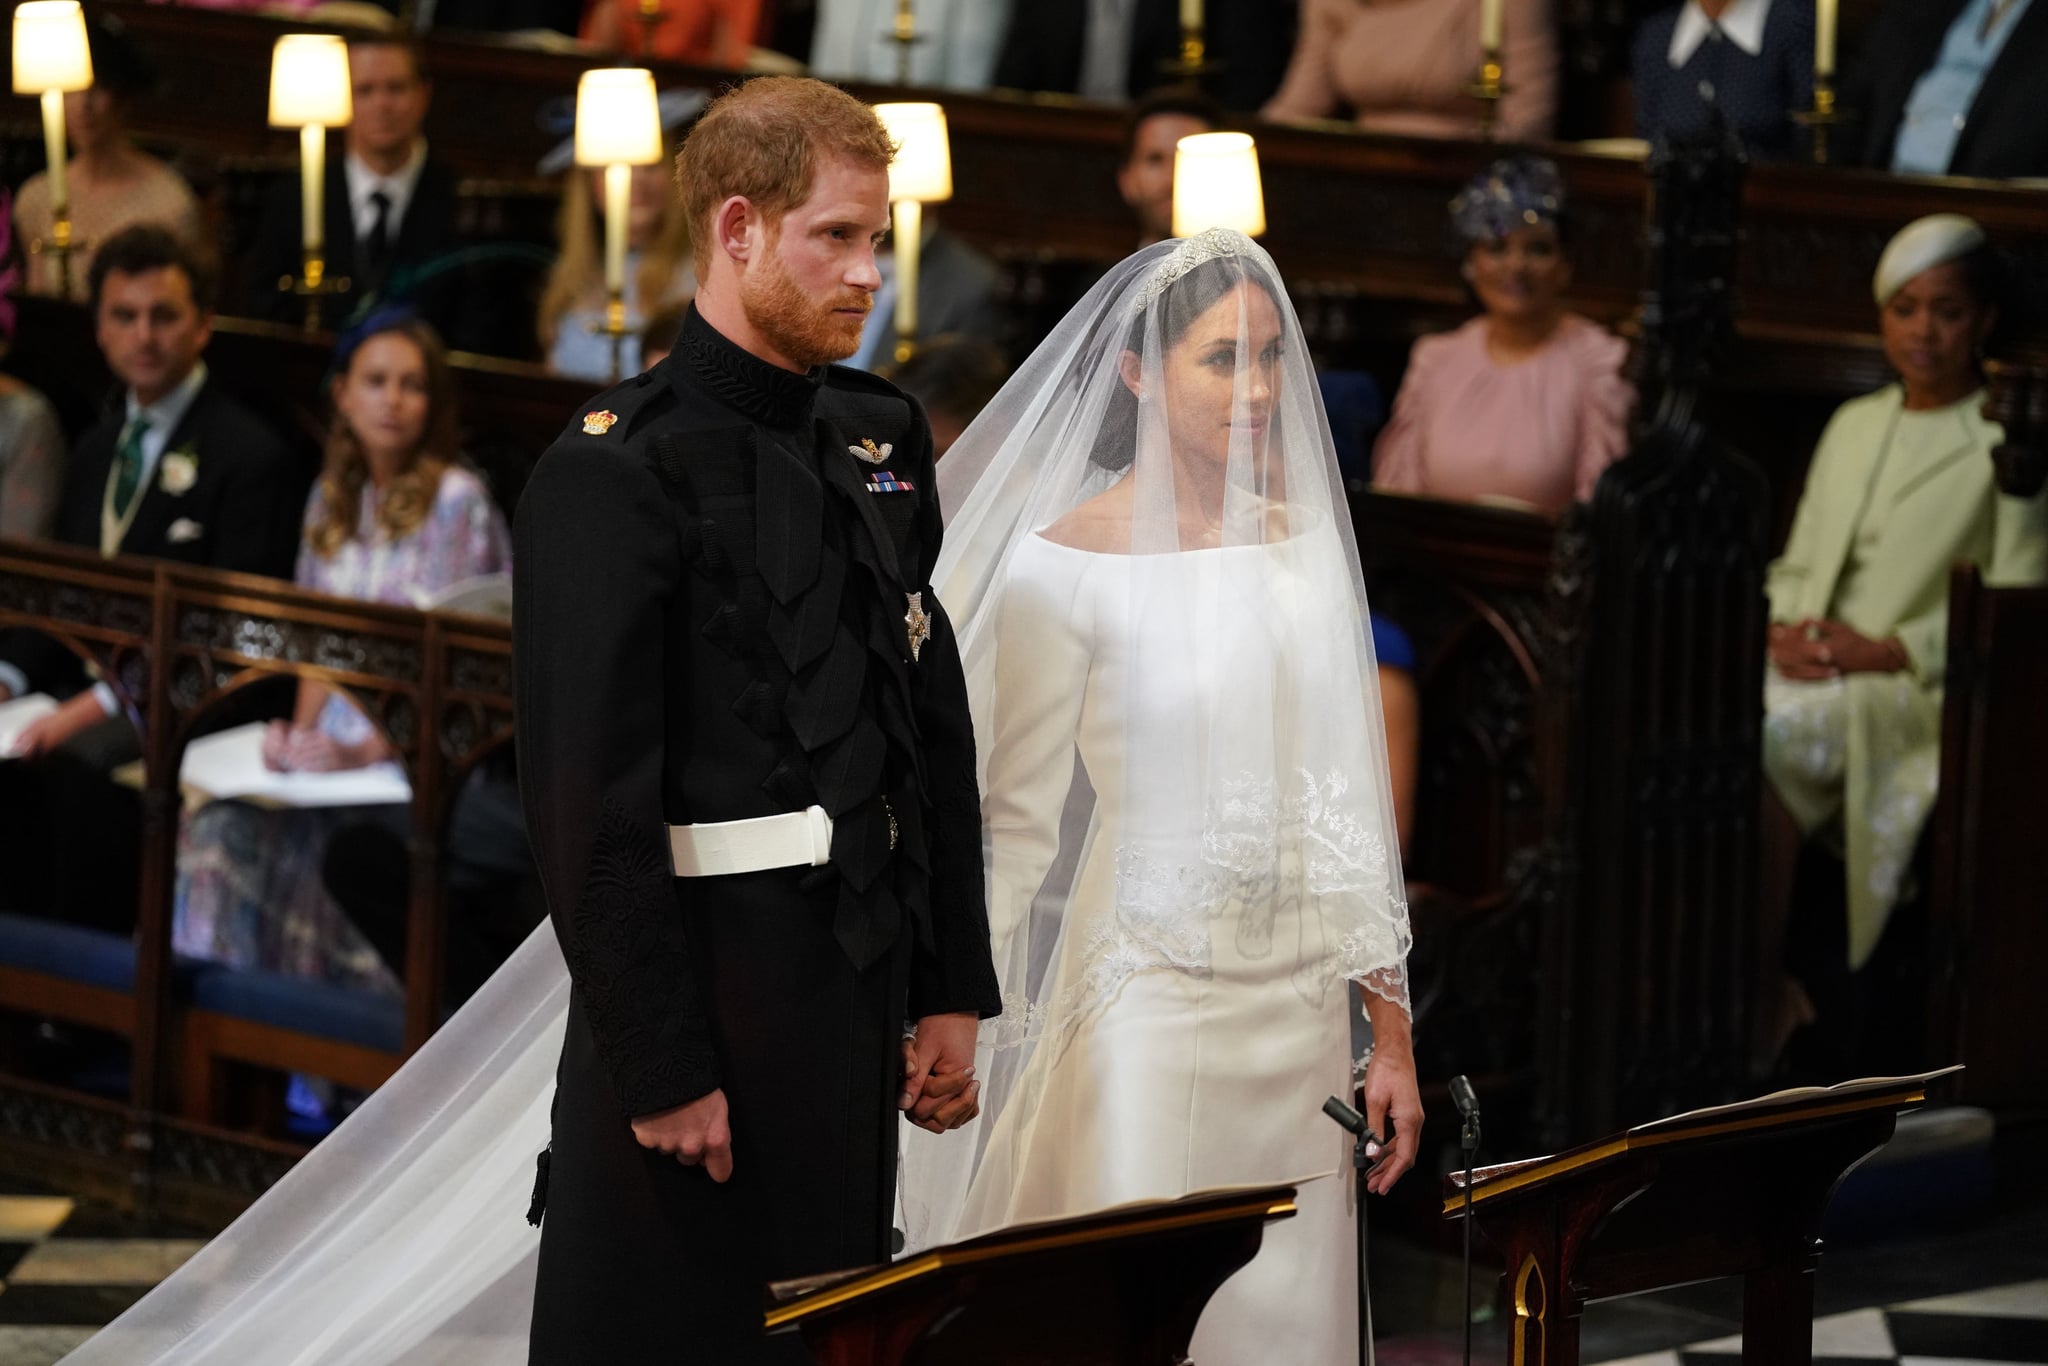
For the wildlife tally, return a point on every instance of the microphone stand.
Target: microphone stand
(1468, 1139)
(1354, 1124)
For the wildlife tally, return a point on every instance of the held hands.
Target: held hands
(1814, 649)
(696, 1134)
(939, 1089)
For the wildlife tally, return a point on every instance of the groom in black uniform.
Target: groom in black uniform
(749, 772)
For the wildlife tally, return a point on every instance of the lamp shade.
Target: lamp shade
(309, 82)
(923, 168)
(618, 118)
(1216, 185)
(50, 51)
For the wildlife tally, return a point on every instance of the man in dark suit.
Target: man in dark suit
(389, 212)
(180, 472)
(1952, 87)
(1115, 53)
(956, 292)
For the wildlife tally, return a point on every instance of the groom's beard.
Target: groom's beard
(806, 330)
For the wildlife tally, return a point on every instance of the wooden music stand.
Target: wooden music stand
(1734, 1191)
(1121, 1288)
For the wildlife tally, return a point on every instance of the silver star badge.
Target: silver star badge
(918, 622)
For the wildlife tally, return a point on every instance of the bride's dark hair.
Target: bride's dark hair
(1177, 307)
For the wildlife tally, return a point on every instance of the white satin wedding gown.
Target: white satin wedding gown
(1168, 1081)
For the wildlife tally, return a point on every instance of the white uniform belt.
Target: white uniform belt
(796, 839)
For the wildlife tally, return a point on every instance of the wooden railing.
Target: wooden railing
(177, 644)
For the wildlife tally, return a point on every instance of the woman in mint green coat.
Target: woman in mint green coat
(1901, 489)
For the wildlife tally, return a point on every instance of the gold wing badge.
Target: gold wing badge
(867, 450)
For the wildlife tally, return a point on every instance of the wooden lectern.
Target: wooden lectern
(1121, 1288)
(1733, 1191)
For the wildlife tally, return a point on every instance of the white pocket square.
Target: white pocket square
(184, 529)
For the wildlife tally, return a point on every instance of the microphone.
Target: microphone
(1467, 1102)
(1349, 1119)
(1354, 1124)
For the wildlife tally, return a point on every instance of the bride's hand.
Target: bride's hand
(1391, 1094)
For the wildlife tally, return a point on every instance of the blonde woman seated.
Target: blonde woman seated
(1901, 489)
(1526, 404)
(395, 518)
(659, 273)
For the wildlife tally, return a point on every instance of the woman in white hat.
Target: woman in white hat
(1900, 489)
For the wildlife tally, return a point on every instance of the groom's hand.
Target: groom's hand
(939, 1089)
(692, 1134)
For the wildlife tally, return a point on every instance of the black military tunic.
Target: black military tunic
(714, 620)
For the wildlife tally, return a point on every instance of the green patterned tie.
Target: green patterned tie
(128, 467)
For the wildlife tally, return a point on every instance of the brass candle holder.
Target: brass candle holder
(906, 38)
(60, 244)
(313, 284)
(613, 326)
(1822, 118)
(1192, 66)
(1489, 89)
(649, 16)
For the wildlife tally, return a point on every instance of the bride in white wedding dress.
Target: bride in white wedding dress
(1189, 840)
(1191, 859)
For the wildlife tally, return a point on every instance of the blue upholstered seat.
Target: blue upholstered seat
(101, 959)
(341, 1014)
(92, 957)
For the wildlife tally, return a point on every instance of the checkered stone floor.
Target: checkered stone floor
(2007, 1324)
(66, 1269)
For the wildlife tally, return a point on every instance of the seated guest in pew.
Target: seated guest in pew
(31, 442)
(1525, 404)
(956, 293)
(1747, 62)
(1152, 132)
(1118, 50)
(110, 182)
(494, 894)
(660, 271)
(1951, 87)
(390, 213)
(852, 42)
(179, 471)
(953, 376)
(719, 33)
(1901, 488)
(1398, 66)
(395, 518)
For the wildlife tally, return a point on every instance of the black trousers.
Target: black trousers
(644, 1259)
(70, 837)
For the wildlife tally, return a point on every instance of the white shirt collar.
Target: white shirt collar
(164, 415)
(397, 187)
(1742, 22)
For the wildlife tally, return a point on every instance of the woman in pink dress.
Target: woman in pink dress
(1526, 404)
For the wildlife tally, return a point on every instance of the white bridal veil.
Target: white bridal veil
(1150, 564)
(1184, 770)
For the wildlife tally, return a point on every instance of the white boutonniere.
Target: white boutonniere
(180, 471)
